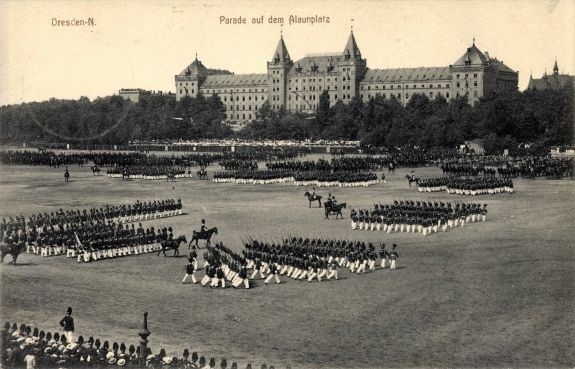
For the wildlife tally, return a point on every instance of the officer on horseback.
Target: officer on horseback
(203, 228)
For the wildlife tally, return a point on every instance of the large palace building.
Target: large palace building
(297, 85)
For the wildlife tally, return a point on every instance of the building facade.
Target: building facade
(297, 85)
(555, 81)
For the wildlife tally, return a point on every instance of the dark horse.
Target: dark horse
(95, 170)
(207, 235)
(412, 179)
(311, 198)
(11, 249)
(202, 173)
(333, 209)
(172, 244)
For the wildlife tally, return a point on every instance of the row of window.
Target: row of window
(243, 116)
(406, 86)
(466, 75)
(225, 98)
(219, 91)
(384, 95)
(467, 84)
(243, 107)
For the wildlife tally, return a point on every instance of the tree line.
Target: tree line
(540, 118)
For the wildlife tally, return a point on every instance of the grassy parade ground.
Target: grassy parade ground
(492, 294)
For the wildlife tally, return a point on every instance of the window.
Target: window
(475, 84)
(475, 75)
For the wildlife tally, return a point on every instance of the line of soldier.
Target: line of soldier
(118, 213)
(114, 241)
(463, 169)
(237, 164)
(221, 264)
(96, 240)
(351, 164)
(258, 177)
(27, 347)
(336, 179)
(422, 217)
(311, 259)
(150, 172)
(470, 186)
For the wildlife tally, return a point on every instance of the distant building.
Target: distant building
(297, 85)
(135, 94)
(555, 81)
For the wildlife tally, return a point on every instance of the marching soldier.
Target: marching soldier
(393, 256)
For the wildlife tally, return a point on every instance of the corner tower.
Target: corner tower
(189, 81)
(278, 69)
(352, 69)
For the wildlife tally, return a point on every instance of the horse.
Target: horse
(172, 244)
(207, 235)
(95, 170)
(412, 179)
(202, 174)
(311, 198)
(125, 175)
(12, 249)
(333, 209)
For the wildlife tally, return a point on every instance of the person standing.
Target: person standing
(190, 268)
(393, 256)
(66, 175)
(68, 324)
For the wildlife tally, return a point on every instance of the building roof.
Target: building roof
(500, 66)
(551, 82)
(196, 69)
(281, 54)
(473, 56)
(407, 75)
(322, 62)
(234, 80)
(351, 48)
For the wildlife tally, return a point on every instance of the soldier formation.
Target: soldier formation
(316, 178)
(149, 172)
(422, 217)
(295, 257)
(90, 234)
(470, 186)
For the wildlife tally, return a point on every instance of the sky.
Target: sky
(143, 44)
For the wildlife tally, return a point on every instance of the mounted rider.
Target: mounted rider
(203, 227)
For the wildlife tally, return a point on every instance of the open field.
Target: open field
(493, 294)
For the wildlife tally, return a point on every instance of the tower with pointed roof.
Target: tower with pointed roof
(555, 69)
(278, 69)
(352, 68)
(475, 74)
(190, 80)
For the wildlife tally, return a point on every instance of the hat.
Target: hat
(121, 362)
(69, 311)
(112, 360)
(109, 355)
(167, 359)
(20, 339)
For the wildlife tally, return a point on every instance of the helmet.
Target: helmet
(203, 220)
